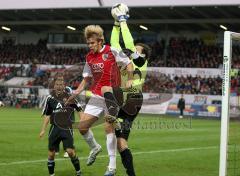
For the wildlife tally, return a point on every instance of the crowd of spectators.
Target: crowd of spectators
(39, 53)
(194, 53)
(162, 83)
(177, 52)
(10, 71)
(19, 97)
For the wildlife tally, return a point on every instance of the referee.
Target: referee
(60, 118)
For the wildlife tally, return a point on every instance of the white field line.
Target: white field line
(105, 156)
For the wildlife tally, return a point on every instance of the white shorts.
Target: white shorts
(96, 106)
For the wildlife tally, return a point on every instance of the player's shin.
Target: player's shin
(89, 138)
(75, 162)
(112, 149)
(127, 160)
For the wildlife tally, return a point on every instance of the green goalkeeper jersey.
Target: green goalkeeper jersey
(139, 72)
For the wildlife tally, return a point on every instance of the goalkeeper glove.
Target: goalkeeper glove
(119, 14)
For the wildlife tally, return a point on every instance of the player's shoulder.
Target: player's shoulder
(49, 97)
(105, 49)
(114, 49)
(89, 56)
(89, 53)
(116, 52)
(48, 100)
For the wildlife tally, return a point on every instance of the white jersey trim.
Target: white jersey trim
(121, 58)
(87, 71)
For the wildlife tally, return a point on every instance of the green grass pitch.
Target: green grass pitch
(161, 145)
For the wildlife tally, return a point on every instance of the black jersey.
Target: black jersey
(60, 114)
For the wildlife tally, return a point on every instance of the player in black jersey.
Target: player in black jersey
(60, 117)
(60, 76)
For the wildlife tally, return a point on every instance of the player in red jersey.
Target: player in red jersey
(103, 64)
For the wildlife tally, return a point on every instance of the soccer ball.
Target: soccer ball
(123, 8)
(1, 104)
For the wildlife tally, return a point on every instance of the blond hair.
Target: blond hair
(93, 30)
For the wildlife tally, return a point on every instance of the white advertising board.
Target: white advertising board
(186, 71)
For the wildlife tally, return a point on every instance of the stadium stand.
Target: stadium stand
(186, 85)
(39, 53)
(180, 52)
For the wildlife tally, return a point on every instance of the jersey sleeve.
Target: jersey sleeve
(47, 110)
(114, 41)
(127, 37)
(86, 71)
(121, 58)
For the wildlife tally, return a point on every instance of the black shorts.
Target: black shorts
(128, 113)
(56, 135)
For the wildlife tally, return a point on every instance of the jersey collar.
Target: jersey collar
(102, 49)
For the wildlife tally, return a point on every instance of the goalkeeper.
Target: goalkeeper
(123, 103)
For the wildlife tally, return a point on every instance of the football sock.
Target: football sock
(112, 149)
(89, 138)
(76, 163)
(127, 161)
(51, 165)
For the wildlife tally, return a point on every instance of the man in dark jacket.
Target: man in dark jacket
(181, 106)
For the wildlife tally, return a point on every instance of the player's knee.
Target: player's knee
(105, 89)
(51, 154)
(122, 148)
(83, 129)
(109, 128)
(118, 147)
(86, 122)
(121, 144)
(70, 152)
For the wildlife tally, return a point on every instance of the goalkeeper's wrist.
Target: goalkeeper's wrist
(123, 23)
(122, 18)
(117, 23)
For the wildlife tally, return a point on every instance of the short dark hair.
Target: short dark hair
(146, 50)
(58, 76)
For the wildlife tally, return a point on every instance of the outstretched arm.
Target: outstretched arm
(114, 41)
(87, 75)
(127, 37)
(80, 88)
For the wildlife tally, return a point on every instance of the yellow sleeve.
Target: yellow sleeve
(127, 37)
(114, 41)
